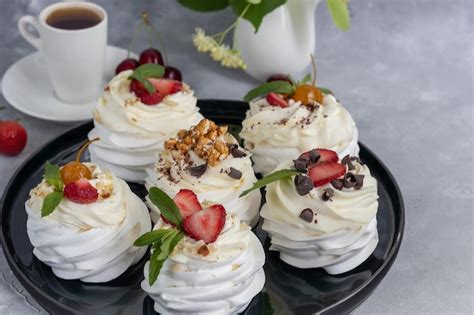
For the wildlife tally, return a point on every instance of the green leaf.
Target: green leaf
(204, 5)
(155, 267)
(339, 13)
(282, 87)
(52, 175)
(163, 248)
(151, 237)
(307, 78)
(325, 90)
(169, 210)
(51, 202)
(149, 70)
(278, 175)
(256, 12)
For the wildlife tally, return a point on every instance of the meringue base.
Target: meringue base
(96, 255)
(208, 288)
(336, 253)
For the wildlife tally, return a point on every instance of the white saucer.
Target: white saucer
(27, 87)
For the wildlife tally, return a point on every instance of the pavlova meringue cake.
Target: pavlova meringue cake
(202, 262)
(207, 160)
(279, 127)
(321, 212)
(82, 222)
(133, 122)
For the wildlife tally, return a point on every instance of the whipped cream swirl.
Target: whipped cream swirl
(131, 132)
(172, 173)
(90, 242)
(342, 234)
(275, 134)
(223, 282)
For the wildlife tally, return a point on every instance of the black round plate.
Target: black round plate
(287, 289)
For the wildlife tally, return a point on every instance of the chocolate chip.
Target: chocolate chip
(314, 155)
(327, 194)
(347, 161)
(301, 164)
(234, 150)
(337, 183)
(349, 180)
(234, 173)
(359, 182)
(303, 184)
(307, 215)
(355, 158)
(198, 170)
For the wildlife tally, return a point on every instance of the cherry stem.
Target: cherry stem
(134, 37)
(313, 63)
(83, 147)
(152, 30)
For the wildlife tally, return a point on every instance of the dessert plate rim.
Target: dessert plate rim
(212, 108)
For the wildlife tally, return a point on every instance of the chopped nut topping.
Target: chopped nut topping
(205, 139)
(203, 250)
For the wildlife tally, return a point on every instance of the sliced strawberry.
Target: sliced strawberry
(325, 155)
(163, 87)
(166, 86)
(187, 202)
(81, 191)
(276, 99)
(325, 172)
(205, 225)
(146, 97)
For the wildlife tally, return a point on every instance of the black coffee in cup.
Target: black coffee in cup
(73, 18)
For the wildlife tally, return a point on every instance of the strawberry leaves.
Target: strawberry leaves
(143, 72)
(52, 176)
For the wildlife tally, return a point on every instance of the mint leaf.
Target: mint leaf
(325, 90)
(255, 12)
(204, 5)
(155, 266)
(51, 202)
(52, 175)
(162, 249)
(151, 237)
(339, 13)
(282, 87)
(278, 175)
(307, 78)
(149, 70)
(169, 210)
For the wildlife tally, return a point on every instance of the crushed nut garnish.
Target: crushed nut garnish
(203, 250)
(205, 139)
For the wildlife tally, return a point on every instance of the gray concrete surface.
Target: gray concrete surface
(405, 72)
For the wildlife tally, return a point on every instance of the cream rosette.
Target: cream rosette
(131, 131)
(275, 134)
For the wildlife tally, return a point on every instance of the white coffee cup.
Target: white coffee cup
(75, 58)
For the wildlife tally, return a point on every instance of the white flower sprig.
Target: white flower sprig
(213, 44)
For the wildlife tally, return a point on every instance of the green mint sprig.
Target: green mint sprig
(163, 241)
(149, 70)
(52, 175)
(273, 177)
(281, 87)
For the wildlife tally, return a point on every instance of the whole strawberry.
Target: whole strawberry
(13, 137)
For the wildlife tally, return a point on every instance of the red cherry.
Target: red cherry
(151, 55)
(172, 73)
(127, 64)
(279, 77)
